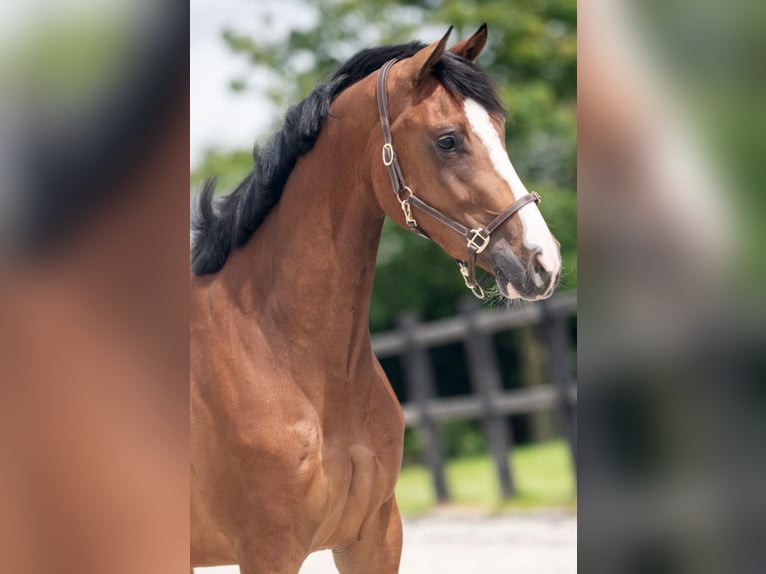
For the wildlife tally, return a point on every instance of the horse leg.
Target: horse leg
(380, 548)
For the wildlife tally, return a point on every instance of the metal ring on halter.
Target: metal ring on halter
(404, 188)
(477, 291)
(388, 154)
(474, 286)
(407, 206)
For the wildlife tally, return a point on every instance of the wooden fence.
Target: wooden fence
(489, 403)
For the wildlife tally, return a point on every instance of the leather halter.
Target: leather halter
(477, 239)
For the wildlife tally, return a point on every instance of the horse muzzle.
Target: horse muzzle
(522, 277)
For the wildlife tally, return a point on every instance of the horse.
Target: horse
(296, 434)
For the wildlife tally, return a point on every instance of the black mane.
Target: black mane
(229, 223)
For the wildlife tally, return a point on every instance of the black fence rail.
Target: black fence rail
(489, 403)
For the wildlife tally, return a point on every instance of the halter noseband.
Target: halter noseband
(477, 239)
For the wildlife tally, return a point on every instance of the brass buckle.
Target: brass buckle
(388, 154)
(478, 234)
(406, 206)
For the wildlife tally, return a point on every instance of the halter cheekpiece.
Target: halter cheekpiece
(477, 239)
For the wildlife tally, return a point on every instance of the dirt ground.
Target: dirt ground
(456, 543)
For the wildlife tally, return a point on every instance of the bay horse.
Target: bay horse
(296, 434)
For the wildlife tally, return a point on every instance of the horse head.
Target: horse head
(446, 144)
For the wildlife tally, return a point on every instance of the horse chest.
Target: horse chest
(361, 457)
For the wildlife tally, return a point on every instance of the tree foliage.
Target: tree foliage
(531, 54)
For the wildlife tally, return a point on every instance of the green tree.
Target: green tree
(531, 54)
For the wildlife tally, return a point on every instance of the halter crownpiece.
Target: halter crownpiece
(477, 239)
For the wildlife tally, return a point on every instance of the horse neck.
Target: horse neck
(308, 270)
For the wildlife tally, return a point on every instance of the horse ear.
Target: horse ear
(420, 65)
(471, 47)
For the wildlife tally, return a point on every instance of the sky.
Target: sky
(219, 117)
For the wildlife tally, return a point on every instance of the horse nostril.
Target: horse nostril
(534, 262)
(540, 275)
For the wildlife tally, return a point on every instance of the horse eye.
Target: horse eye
(446, 143)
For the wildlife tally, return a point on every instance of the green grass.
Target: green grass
(542, 472)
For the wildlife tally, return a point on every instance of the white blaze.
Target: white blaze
(535, 232)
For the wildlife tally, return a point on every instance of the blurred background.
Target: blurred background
(94, 247)
(671, 316)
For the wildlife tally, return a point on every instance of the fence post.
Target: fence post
(554, 330)
(419, 378)
(486, 381)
